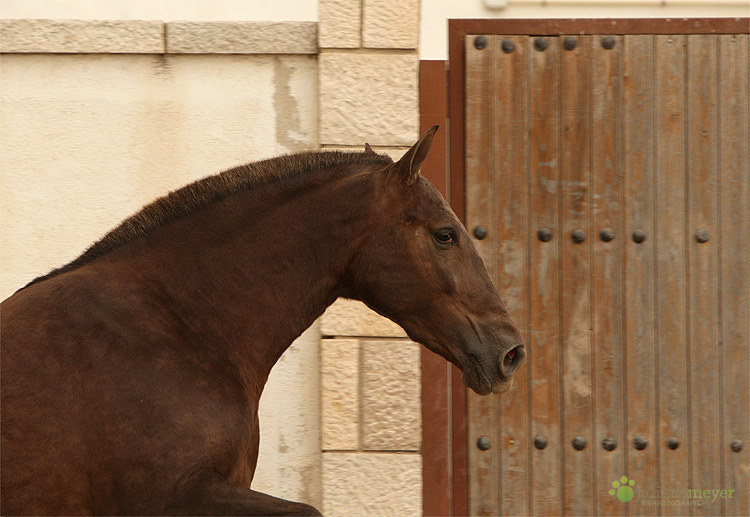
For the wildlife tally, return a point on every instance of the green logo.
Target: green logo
(622, 489)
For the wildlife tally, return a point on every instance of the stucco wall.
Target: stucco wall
(165, 10)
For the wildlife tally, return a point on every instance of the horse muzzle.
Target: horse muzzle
(483, 380)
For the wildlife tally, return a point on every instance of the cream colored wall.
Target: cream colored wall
(165, 10)
(87, 139)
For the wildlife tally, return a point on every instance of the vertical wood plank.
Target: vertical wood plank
(480, 181)
(544, 356)
(575, 273)
(511, 195)
(734, 267)
(703, 276)
(607, 272)
(639, 267)
(671, 303)
(436, 446)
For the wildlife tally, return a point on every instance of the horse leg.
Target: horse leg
(207, 493)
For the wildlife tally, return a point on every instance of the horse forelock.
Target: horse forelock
(204, 192)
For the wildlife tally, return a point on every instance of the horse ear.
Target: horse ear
(410, 163)
(368, 149)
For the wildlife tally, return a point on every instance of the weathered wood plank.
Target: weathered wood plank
(639, 265)
(544, 340)
(671, 281)
(607, 272)
(511, 196)
(734, 266)
(480, 180)
(575, 275)
(703, 272)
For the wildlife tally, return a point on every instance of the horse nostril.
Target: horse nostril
(513, 360)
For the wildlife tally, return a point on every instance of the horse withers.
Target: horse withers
(131, 376)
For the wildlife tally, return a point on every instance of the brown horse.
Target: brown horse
(131, 376)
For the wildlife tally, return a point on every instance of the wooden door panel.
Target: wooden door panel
(574, 241)
(484, 468)
(544, 361)
(639, 285)
(734, 268)
(607, 272)
(511, 229)
(702, 263)
(611, 175)
(671, 280)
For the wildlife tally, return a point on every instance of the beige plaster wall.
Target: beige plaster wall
(87, 138)
(165, 10)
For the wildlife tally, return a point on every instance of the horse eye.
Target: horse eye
(445, 236)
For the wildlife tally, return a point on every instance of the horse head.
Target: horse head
(418, 267)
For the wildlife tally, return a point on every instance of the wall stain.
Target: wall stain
(285, 106)
(161, 65)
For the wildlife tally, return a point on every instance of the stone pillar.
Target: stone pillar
(371, 427)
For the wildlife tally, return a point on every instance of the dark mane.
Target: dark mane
(202, 193)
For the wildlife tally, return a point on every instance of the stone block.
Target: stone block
(242, 38)
(339, 363)
(354, 318)
(81, 36)
(391, 390)
(340, 22)
(368, 97)
(389, 24)
(371, 484)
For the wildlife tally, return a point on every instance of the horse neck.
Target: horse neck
(253, 279)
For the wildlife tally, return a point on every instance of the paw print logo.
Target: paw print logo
(622, 489)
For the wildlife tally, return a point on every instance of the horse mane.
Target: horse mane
(204, 192)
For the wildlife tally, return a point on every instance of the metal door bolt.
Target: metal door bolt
(579, 443)
(607, 234)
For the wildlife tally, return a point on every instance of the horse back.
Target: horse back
(101, 413)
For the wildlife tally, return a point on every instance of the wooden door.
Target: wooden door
(611, 173)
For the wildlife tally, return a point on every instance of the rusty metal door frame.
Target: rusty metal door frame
(457, 478)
